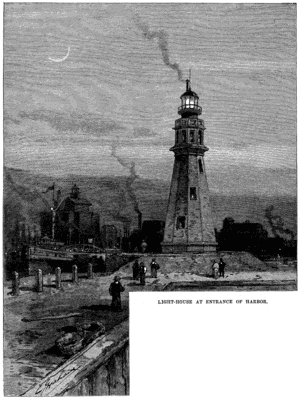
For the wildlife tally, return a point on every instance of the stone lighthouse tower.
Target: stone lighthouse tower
(189, 225)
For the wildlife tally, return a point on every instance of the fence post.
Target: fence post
(16, 284)
(74, 274)
(39, 280)
(90, 273)
(58, 278)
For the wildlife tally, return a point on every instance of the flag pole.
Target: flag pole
(53, 214)
(53, 194)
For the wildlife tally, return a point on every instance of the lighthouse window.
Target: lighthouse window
(193, 194)
(192, 136)
(180, 224)
(200, 136)
(184, 136)
(200, 166)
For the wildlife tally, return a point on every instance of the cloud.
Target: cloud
(143, 132)
(248, 65)
(63, 122)
(10, 118)
(264, 156)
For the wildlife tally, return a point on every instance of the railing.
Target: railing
(36, 252)
(190, 107)
(40, 253)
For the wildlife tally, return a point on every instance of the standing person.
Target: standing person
(115, 290)
(135, 270)
(215, 268)
(154, 267)
(143, 270)
(144, 246)
(221, 267)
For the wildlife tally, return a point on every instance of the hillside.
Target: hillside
(117, 199)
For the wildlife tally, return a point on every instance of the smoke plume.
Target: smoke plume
(130, 166)
(163, 45)
(277, 224)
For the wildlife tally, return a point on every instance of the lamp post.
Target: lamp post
(53, 222)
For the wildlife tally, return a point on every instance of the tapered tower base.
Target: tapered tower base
(189, 226)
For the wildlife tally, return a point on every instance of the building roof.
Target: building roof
(81, 201)
(190, 93)
(76, 202)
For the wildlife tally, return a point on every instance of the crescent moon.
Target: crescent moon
(60, 59)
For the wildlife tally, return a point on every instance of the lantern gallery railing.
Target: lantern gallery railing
(187, 107)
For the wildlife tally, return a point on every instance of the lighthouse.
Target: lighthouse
(189, 224)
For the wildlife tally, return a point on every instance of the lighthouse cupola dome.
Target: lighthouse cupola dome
(189, 102)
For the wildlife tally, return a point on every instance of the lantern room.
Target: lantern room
(189, 102)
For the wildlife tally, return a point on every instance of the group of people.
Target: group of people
(139, 271)
(218, 268)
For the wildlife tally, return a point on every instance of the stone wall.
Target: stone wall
(201, 263)
(102, 368)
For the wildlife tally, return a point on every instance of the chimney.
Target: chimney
(58, 196)
(126, 228)
(140, 216)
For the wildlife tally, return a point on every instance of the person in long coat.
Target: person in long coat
(135, 270)
(154, 267)
(115, 290)
(143, 270)
(221, 267)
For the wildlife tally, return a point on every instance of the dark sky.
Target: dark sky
(115, 97)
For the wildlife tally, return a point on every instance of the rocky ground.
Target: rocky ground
(33, 321)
